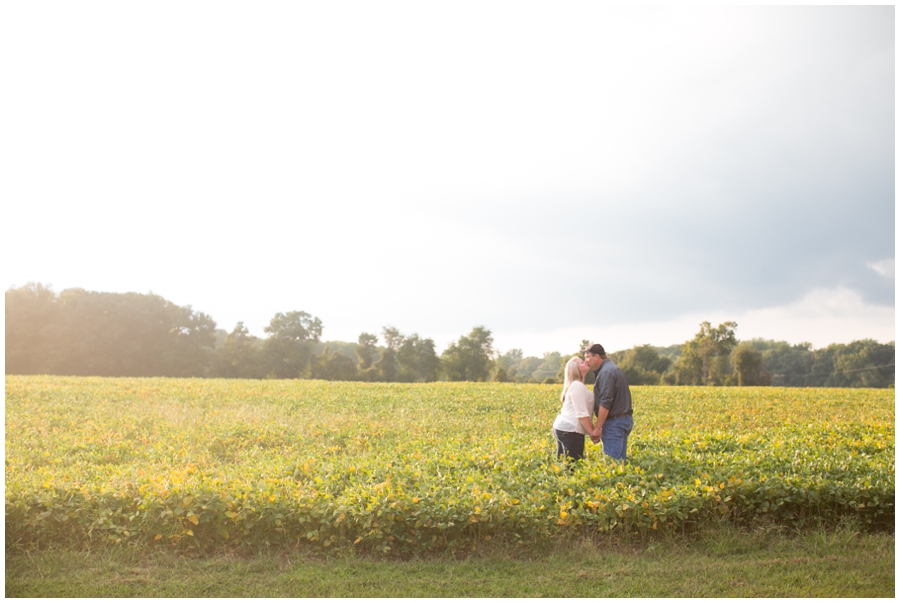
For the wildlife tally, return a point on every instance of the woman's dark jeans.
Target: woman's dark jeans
(569, 443)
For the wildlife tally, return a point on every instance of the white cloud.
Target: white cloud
(822, 317)
(436, 168)
(884, 268)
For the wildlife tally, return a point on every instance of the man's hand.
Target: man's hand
(595, 439)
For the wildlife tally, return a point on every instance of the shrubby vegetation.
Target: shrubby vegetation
(79, 332)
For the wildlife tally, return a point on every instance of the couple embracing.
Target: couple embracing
(610, 404)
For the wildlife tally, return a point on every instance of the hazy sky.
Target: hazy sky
(552, 171)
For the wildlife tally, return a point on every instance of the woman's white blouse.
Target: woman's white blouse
(579, 402)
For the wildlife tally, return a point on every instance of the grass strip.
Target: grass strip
(722, 561)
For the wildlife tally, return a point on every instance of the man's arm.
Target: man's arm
(598, 427)
(604, 394)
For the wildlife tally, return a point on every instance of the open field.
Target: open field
(404, 469)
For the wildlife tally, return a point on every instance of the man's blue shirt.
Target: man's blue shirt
(611, 390)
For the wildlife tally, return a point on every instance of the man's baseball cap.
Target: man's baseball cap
(596, 350)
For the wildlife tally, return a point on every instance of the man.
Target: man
(612, 403)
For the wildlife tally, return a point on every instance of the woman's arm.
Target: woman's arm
(583, 407)
(586, 423)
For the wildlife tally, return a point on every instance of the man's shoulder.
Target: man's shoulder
(603, 372)
(609, 370)
(608, 365)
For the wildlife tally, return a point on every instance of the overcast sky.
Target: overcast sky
(552, 171)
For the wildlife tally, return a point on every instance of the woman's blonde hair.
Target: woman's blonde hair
(573, 373)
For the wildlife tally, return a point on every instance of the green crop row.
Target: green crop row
(207, 464)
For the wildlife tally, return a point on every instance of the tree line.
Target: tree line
(78, 332)
(714, 356)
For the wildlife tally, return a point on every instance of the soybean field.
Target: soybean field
(396, 469)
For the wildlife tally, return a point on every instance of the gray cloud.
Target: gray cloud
(627, 164)
(784, 186)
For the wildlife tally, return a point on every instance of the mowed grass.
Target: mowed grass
(718, 561)
(406, 469)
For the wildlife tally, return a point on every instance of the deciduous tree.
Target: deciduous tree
(417, 359)
(642, 365)
(386, 367)
(749, 366)
(332, 366)
(699, 356)
(82, 332)
(366, 348)
(240, 355)
(30, 320)
(289, 347)
(470, 358)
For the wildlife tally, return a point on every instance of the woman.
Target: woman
(574, 419)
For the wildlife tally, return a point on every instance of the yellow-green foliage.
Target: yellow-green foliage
(412, 467)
